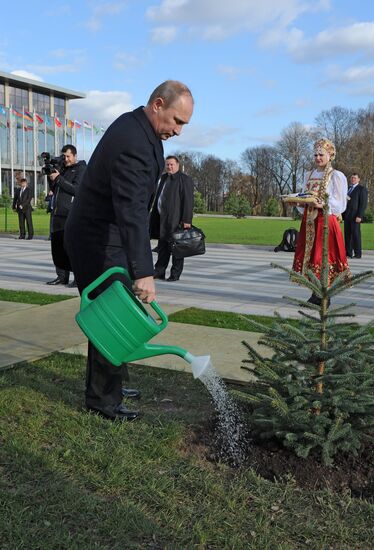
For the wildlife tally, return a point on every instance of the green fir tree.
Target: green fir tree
(317, 390)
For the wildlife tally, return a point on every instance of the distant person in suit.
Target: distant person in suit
(353, 216)
(22, 205)
(109, 221)
(172, 208)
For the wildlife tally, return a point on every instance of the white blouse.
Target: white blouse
(337, 189)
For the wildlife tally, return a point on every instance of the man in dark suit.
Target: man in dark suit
(64, 184)
(356, 206)
(108, 224)
(173, 207)
(22, 205)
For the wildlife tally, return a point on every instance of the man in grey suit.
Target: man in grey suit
(353, 216)
(108, 222)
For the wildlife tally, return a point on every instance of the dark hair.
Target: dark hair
(23, 179)
(66, 148)
(355, 174)
(173, 157)
(170, 91)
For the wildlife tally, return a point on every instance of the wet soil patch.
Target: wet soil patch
(273, 462)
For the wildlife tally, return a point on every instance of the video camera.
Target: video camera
(51, 164)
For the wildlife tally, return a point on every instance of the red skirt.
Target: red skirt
(336, 250)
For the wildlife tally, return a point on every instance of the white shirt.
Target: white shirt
(337, 189)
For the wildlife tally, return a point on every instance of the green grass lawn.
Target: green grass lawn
(217, 230)
(259, 231)
(29, 297)
(9, 222)
(71, 480)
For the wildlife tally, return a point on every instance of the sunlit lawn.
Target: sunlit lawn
(72, 480)
(249, 231)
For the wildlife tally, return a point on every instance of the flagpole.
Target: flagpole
(35, 133)
(1, 182)
(84, 142)
(23, 143)
(11, 151)
(45, 130)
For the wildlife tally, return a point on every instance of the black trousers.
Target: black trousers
(103, 380)
(25, 216)
(163, 261)
(352, 238)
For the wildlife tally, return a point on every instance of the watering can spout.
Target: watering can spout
(151, 350)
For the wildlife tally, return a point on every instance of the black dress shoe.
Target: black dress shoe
(30, 238)
(120, 412)
(173, 278)
(21, 237)
(57, 281)
(355, 257)
(131, 393)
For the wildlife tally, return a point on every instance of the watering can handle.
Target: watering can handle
(85, 301)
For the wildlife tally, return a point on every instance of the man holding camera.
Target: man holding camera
(64, 181)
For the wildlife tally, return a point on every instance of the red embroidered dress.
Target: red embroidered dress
(308, 255)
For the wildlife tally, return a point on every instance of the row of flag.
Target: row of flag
(48, 120)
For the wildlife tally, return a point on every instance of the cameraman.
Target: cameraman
(64, 184)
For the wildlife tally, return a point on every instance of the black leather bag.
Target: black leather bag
(187, 242)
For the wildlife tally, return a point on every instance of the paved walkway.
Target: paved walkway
(229, 278)
(29, 332)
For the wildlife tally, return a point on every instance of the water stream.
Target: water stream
(230, 427)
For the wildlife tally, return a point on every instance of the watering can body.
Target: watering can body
(117, 323)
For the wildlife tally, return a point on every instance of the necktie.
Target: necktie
(350, 189)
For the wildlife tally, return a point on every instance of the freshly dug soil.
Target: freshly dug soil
(273, 462)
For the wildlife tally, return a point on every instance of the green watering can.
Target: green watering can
(119, 326)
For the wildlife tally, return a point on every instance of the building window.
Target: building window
(59, 105)
(18, 97)
(41, 103)
(2, 94)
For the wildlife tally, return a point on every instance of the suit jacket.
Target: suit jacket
(357, 203)
(176, 206)
(24, 200)
(111, 207)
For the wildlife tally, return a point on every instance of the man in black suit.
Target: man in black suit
(22, 205)
(173, 207)
(356, 206)
(64, 184)
(109, 221)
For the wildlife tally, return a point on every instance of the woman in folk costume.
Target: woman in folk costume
(322, 180)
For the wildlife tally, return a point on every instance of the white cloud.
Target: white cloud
(232, 72)
(197, 136)
(27, 74)
(63, 53)
(356, 38)
(216, 20)
(123, 61)
(94, 23)
(366, 91)
(54, 69)
(351, 75)
(163, 35)
(103, 107)
(269, 111)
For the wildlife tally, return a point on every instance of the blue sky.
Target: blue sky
(254, 66)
